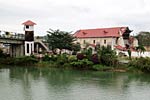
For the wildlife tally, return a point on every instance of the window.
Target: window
(31, 49)
(104, 41)
(27, 27)
(93, 41)
(27, 48)
(84, 41)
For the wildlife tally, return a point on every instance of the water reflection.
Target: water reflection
(58, 84)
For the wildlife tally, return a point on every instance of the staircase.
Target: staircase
(40, 42)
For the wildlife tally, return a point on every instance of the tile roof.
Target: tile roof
(124, 48)
(100, 32)
(120, 48)
(29, 22)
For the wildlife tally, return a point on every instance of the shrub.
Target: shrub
(7, 61)
(53, 58)
(26, 60)
(107, 56)
(109, 60)
(88, 53)
(62, 59)
(95, 59)
(80, 56)
(83, 64)
(46, 58)
(142, 64)
(72, 58)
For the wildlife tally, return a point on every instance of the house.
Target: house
(116, 37)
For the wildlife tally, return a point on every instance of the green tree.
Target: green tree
(88, 53)
(59, 40)
(107, 56)
(144, 38)
(76, 47)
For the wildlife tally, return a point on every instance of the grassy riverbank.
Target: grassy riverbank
(104, 60)
(72, 62)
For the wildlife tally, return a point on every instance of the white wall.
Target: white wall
(109, 41)
(31, 28)
(31, 48)
(135, 54)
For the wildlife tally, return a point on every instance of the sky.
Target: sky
(73, 15)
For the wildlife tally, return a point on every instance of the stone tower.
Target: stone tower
(29, 37)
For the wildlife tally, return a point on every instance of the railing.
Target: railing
(13, 36)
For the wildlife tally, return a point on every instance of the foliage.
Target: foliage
(62, 59)
(141, 63)
(7, 61)
(72, 58)
(80, 56)
(88, 53)
(59, 40)
(95, 59)
(53, 58)
(129, 53)
(75, 48)
(144, 38)
(83, 64)
(46, 58)
(140, 49)
(26, 60)
(107, 56)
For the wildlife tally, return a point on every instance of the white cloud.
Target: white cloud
(71, 15)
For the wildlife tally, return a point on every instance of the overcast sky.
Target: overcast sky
(72, 15)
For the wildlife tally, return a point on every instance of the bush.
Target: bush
(7, 61)
(107, 56)
(80, 56)
(62, 59)
(53, 58)
(142, 64)
(72, 58)
(95, 59)
(46, 58)
(83, 64)
(26, 60)
(109, 60)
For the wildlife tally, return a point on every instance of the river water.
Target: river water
(57, 84)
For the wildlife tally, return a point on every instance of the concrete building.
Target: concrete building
(29, 37)
(116, 37)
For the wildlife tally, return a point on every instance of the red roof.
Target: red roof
(124, 48)
(120, 48)
(100, 32)
(29, 22)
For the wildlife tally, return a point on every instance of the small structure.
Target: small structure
(29, 37)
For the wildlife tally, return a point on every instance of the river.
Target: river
(19, 83)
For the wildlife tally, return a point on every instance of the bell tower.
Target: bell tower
(29, 37)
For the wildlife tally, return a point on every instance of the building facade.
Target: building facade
(117, 37)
